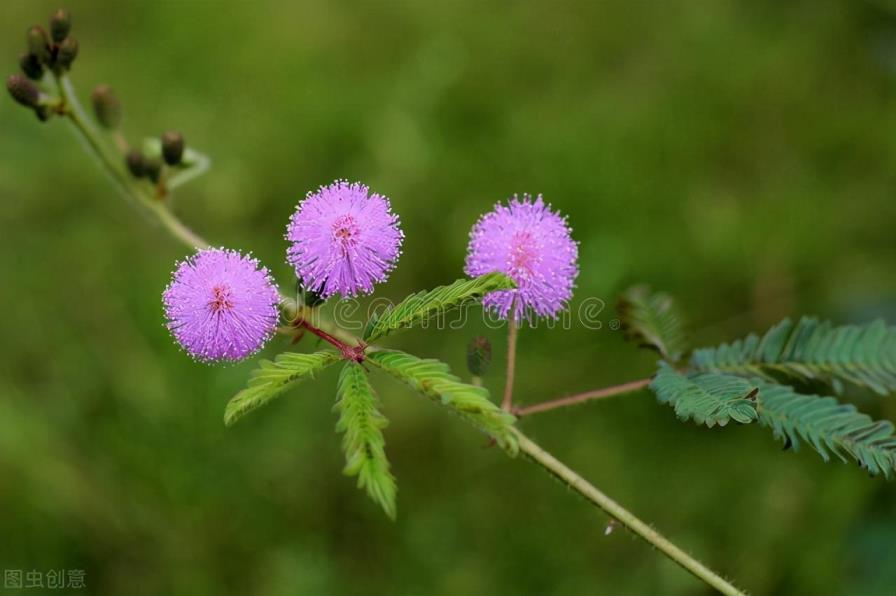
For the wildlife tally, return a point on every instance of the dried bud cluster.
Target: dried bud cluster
(140, 165)
(55, 51)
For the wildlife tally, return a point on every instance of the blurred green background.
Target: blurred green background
(741, 155)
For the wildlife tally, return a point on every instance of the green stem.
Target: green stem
(622, 515)
(176, 227)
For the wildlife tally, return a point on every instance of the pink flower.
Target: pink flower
(531, 244)
(221, 305)
(344, 239)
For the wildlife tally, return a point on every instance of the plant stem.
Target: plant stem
(581, 398)
(513, 329)
(349, 352)
(176, 227)
(622, 515)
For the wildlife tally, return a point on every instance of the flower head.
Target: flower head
(221, 305)
(343, 240)
(531, 244)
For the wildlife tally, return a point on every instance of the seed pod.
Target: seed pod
(23, 90)
(31, 66)
(479, 356)
(136, 163)
(153, 168)
(172, 147)
(106, 107)
(39, 44)
(60, 25)
(68, 51)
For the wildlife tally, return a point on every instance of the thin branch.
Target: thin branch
(623, 516)
(349, 352)
(581, 398)
(513, 329)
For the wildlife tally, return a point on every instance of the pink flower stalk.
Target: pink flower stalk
(531, 244)
(221, 305)
(343, 240)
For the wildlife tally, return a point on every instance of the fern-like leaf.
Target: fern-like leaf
(362, 441)
(864, 355)
(707, 398)
(427, 304)
(828, 426)
(652, 320)
(271, 379)
(433, 379)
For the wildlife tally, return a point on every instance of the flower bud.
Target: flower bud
(31, 66)
(38, 44)
(60, 25)
(136, 163)
(479, 356)
(106, 107)
(23, 90)
(68, 51)
(172, 147)
(153, 168)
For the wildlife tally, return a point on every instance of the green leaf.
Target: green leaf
(271, 379)
(653, 321)
(425, 305)
(362, 441)
(864, 355)
(433, 379)
(828, 426)
(707, 398)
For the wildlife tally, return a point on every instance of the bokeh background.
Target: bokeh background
(741, 155)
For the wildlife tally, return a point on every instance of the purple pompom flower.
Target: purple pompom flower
(221, 305)
(344, 239)
(530, 243)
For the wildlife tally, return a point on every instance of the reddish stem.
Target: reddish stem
(355, 353)
(582, 397)
(507, 402)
